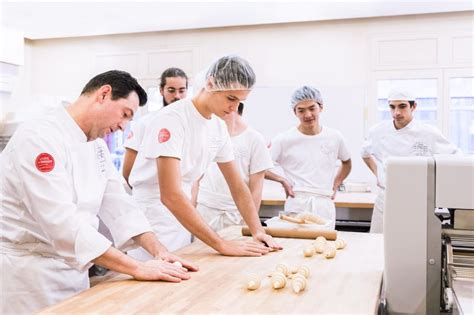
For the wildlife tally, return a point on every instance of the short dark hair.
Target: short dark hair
(122, 84)
(411, 103)
(172, 73)
(240, 109)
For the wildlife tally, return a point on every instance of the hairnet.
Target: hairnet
(305, 93)
(400, 95)
(230, 73)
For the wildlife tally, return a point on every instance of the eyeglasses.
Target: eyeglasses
(172, 90)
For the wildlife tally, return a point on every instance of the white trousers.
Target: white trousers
(376, 225)
(219, 219)
(31, 282)
(166, 227)
(309, 202)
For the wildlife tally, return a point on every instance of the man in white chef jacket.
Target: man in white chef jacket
(401, 136)
(57, 178)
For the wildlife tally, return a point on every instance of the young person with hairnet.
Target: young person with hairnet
(402, 136)
(214, 200)
(307, 155)
(57, 178)
(182, 141)
(173, 87)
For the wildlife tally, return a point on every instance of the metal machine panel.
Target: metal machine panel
(454, 181)
(411, 263)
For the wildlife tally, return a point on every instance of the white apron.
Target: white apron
(316, 201)
(376, 224)
(167, 228)
(33, 275)
(219, 219)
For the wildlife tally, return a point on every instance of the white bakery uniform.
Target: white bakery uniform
(54, 185)
(384, 141)
(137, 132)
(178, 131)
(215, 201)
(309, 164)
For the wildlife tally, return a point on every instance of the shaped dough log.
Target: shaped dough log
(330, 252)
(299, 283)
(340, 243)
(253, 282)
(291, 219)
(311, 218)
(304, 271)
(278, 280)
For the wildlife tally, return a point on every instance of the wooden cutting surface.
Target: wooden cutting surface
(349, 283)
(342, 200)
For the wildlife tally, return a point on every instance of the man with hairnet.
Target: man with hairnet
(307, 155)
(402, 136)
(180, 144)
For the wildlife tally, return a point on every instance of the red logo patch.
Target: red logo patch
(164, 135)
(130, 135)
(44, 162)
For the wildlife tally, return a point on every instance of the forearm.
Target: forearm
(342, 173)
(256, 188)
(369, 161)
(274, 177)
(149, 242)
(115, 260)
(128, 161)
(245, 203)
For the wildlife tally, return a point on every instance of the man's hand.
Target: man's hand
(159, 270)
(168, 257)
(267, 240)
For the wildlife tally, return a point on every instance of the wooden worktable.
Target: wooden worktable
(342, 200)
(349, 283)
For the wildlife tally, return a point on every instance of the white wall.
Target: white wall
(335, 56)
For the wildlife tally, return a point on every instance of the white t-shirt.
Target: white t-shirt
(137, 132)
(252, 156)
(180, 131)
(309, 161)
(415, 139)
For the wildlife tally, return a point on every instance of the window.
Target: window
(461, 113)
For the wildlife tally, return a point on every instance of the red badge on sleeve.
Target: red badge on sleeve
(164, 135)
(44, 162)
(130, 135)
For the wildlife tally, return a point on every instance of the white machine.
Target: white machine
(429, 264)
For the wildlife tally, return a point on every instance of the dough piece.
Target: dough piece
(177, 263)
(311, 218)
(291, 219)
(308, 251)
(283, 268)
(299, 283)
(278, 280)
(319, 248)
(253, 282)
(340, 243)
(293, 269)
(330, 252)
(304, 271)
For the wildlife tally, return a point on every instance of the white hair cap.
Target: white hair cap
(400, 95)
(306, 93)
(230, 73)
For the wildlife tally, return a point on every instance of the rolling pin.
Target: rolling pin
(330, 235)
